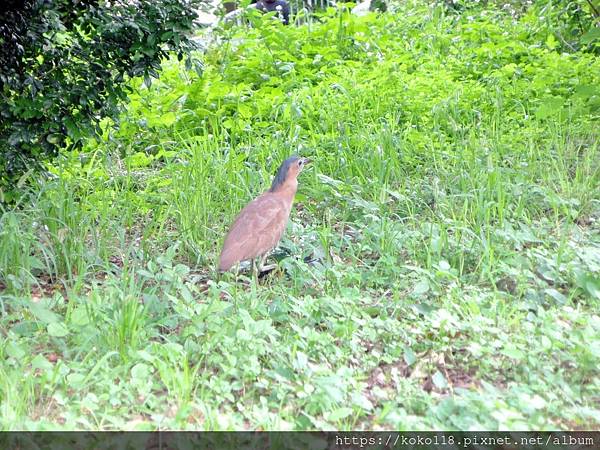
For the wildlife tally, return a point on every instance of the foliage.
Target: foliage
(441, 269)
(574, 24)
(64, 64)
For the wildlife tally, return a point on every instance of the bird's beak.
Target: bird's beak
(306, 160)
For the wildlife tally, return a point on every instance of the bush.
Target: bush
(64, 64)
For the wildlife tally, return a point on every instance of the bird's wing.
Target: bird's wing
(256, 229)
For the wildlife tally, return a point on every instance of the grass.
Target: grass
(450, 223)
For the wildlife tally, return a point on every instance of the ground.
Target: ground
(441, 268)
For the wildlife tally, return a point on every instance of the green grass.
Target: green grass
(452, 214)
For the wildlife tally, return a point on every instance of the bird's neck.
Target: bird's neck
(288, 189)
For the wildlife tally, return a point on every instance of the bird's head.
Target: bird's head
(288, 171)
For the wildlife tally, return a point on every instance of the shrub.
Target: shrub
(64, 64)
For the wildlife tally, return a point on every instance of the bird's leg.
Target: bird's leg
(255, 270)
(263, 258)
(262, 267)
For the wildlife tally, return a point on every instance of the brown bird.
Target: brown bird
(259, 226)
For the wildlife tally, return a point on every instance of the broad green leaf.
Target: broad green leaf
(57, 329)
(75, 380)
(591, 35)
(409, 356)
(512, 352)
(42, 313)
(422, 287)
(340, 414)
(140, 371)
(40, 362)
(16, 350)
(79, 316)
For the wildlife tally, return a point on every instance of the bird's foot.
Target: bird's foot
(267, 268)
